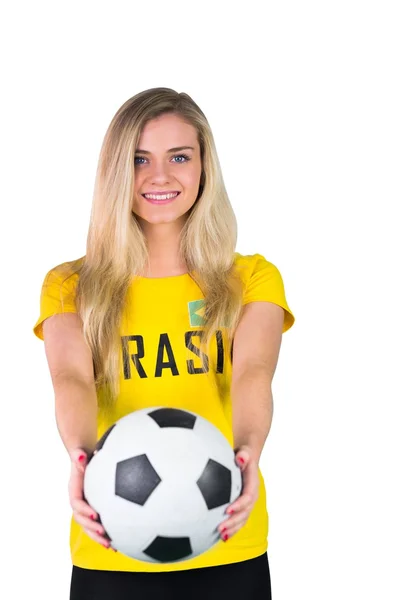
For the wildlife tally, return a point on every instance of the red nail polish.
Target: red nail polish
(92, 517)
(230, 511)
(241, 460)
(81, 457)
(225, 537)
(224, 529)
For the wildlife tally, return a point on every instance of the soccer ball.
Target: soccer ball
(161, 479)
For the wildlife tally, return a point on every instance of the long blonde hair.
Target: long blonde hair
(116, 249)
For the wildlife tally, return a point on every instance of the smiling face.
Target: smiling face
(167, 160)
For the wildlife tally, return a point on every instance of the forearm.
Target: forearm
(76, 413)
(252, 409)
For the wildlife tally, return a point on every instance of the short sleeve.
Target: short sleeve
(266, 284)
(57, 296)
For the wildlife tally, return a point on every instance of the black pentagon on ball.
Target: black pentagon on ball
(173, 417)
(136, 479)
(215, 484)
(167, 549)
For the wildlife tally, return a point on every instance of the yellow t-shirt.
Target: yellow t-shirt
(161, 322)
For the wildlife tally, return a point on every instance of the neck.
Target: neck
(163, 248)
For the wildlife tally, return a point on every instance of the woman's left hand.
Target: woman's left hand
(242, 507)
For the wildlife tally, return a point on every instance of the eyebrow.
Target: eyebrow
(170, 150)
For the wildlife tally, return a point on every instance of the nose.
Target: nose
(159, 173)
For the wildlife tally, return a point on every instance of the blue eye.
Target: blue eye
(185, 156)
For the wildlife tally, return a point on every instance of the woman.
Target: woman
(162, 311)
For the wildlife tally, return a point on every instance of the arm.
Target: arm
(253, 409)
(71, 368)
(255, 356)
(76, 412)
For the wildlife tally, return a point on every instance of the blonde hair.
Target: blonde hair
(116, 249)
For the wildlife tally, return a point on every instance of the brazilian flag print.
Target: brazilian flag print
(196, 313)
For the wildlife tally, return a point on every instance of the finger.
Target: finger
(94, 530)
(238, 519)
(242, 503)
(76, 496)
(75, 485)
(82, 507)
(249, 492)
(90, 525)
(79, 459)
(98, 538)
(242, 460)
(243, 456)
(229, 534)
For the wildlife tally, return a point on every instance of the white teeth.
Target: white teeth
(160, 197)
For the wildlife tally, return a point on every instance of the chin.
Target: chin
(157, 216)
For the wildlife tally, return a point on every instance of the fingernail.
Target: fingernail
(92, 517)
(223, 529)
(241, 460)
(225, 537)
(81, 457)
(230, 511)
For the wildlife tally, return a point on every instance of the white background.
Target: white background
(303, 99)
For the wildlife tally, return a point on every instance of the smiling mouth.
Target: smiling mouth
(161, 198)
(166, 196)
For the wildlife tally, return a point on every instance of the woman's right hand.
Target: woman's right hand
(83, 513)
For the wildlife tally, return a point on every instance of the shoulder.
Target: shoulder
(58, 293)
(251, 264)
(263, 283)
(64, 271)
(61, 280)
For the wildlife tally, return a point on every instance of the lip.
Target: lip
(161, 201)
(162, 192)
